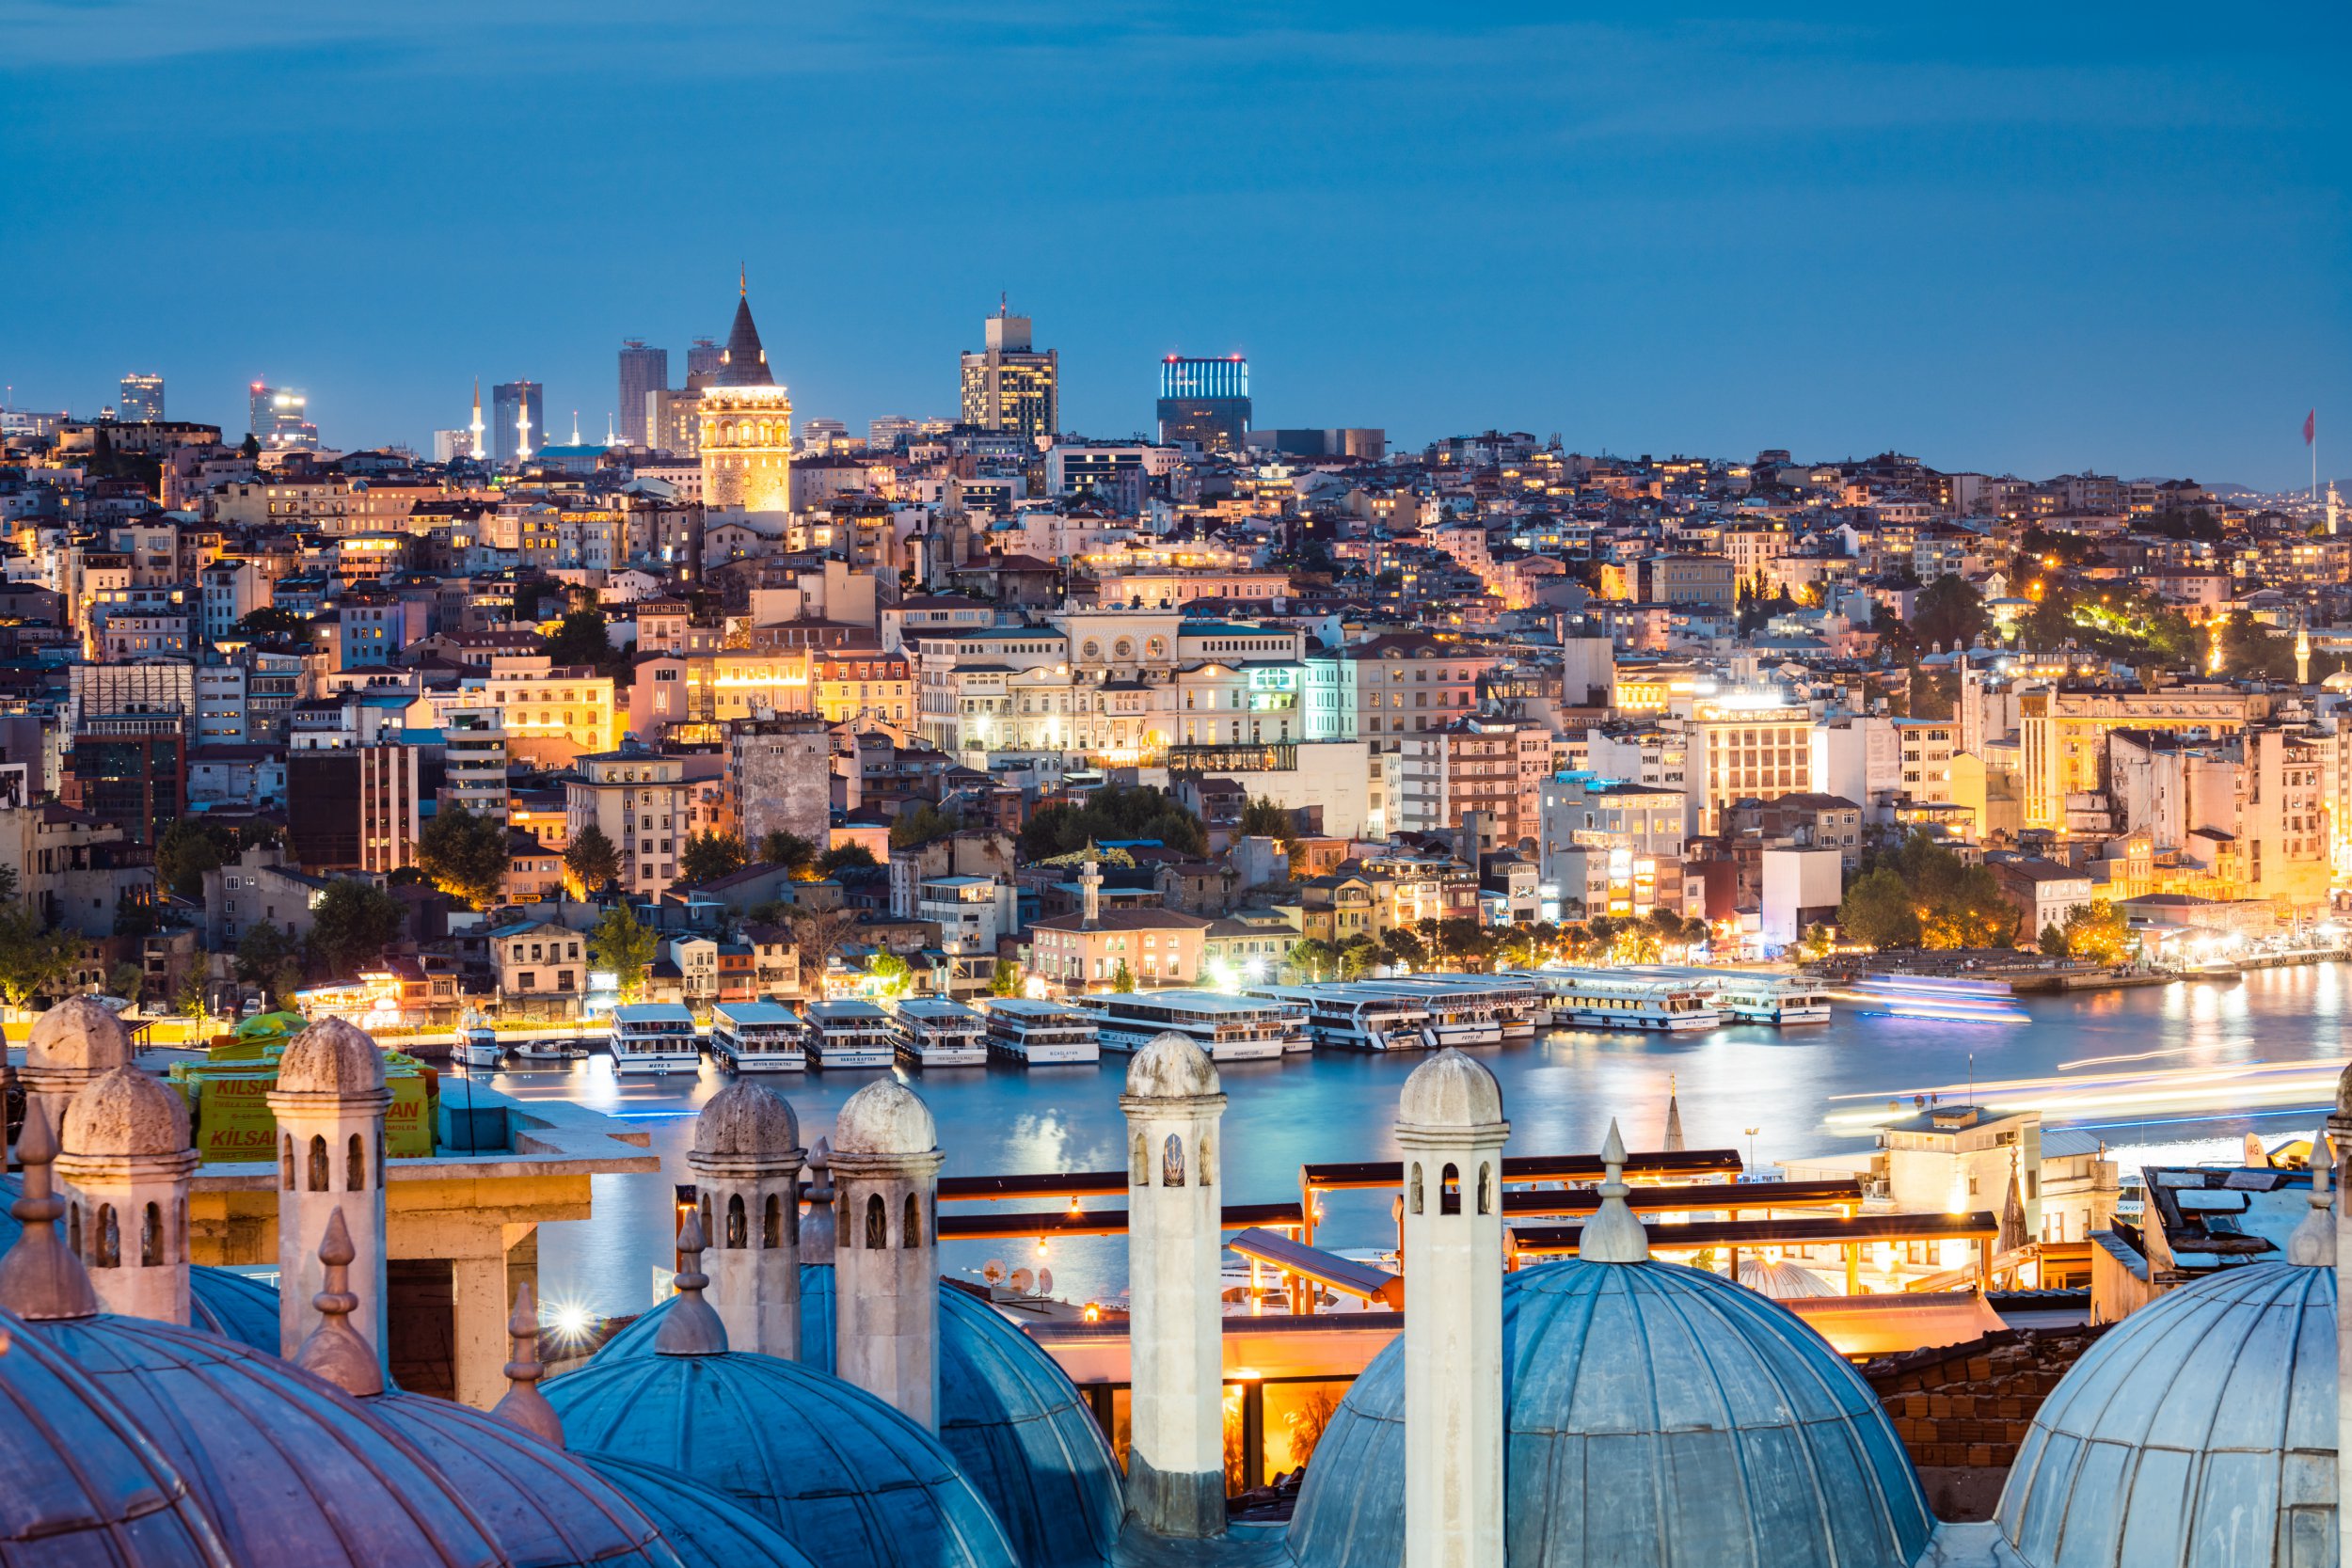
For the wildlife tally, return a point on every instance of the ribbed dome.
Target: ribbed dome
(1171, 1067)
(885, 1117)
(125, 1112)
(1449, 1090)
(83, 1484)
(705, 1530)
(1653, 1414)
(78, 1033)
(332, 1056)
(290, 1472)
(542, 1506)
(747, 1118)
(1784, 1280)
(848, 1481)
(2197, 1433)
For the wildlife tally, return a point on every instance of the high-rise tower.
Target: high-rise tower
(642, 369)
(518, 420)
(1008, 384)
(142, 398)
(1205, 401)
(746, 424)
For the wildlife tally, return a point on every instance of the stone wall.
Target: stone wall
(1968, 1405)
(784, 780)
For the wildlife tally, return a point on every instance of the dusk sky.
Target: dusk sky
(2038, 239)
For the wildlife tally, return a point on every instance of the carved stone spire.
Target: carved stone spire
(334, 1350)
(524, 1406)
(40, 1280)
(692, 1325)
(1614, 1235)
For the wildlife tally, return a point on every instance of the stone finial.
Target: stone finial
(333, 1057)
(1451, 1091)
(125, 1112)
(1170, 1067)
(523, 1405)
(1614, 1235)
(692, 1325)
(334, 1350)
(816, 1228)
(40, 1280)
(2312, 1244)
(1673, 1117)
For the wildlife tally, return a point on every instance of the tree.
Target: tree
(352, 924)
(1005, 981)
(466, 855)
(817, 936)
(1122, 978)
(1113, 812)
(794, 853)
(1311, 959)
(135, 912)
(709, 856)
(1358, 954)
(262, 952)
(270, 623)
(1262, 818)
(189, 848)
(593, 861)
(623, 946)
(1406, 951)
(580, 638)
(1815, 946)
(126, 980)
(911, 829)
(190, 1002)
(33, 958)
(250, 448)
(2096, 933)
(892, 972)
(844, 857)
(1951, 611)
(2053, 940)
(1878, 910)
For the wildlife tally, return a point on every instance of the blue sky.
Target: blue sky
(1998, 237)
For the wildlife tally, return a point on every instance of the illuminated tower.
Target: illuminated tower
(522, 433)
(746, 425)
(2303, 655)
(481, 453)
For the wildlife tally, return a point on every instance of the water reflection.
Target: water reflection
(2092, 1060)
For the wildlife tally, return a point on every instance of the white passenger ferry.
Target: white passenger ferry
(759, 1037)
(1472, 1010)
(654, 1037)
(1228, 1028)
(932, 1031)
(850, 1034)
(1351, 1016)
(1622, 999)
(1752, 995)
(1041, 1033)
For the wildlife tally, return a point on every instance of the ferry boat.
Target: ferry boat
(1226, 1028)
(1041, 1033)
(654, 1037)
(759, 1037)
(478, 1043)
(1349, 1016)
(1940, 999)
(1625, 999)
(1467, 1010)
(1753, 996)
(849, 1034)
(932, 1031)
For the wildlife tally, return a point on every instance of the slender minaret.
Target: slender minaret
(746, 1162)
(1673, 1143)
(575, 427)
(1175, 1337)
(72, 1046)
(330, 1101)
(1451, 1127)
(522, 430)
(126, 1162)
(2329, 1150)
(2335, 508)
(523, 1405)
(1090, 888)
(481, 453)
(817, 1232)
(886, 1282)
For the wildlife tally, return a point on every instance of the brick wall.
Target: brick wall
(1970, 1405)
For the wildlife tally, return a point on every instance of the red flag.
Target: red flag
(2311, 427)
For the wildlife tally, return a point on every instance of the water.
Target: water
(2188, 1067)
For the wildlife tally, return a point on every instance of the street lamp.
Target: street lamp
(1751, 1132)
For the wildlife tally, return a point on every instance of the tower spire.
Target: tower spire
(743, 279)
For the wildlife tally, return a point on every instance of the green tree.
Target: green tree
(709, 856)
(135, 912)
(1816, 945)
(593, 861)
(1113, 812)
(1005, 981)
(190, 1002)
(580, 638)
(250, 448)
(33, 958)
(270, 623)
(352, 924)
(2096, 933)
(920, 825)
(2053, 941)
(894, 975)
(845, 857)
(187, 849)
(1358, 954)
(1878, 910)
(126, 980)
(1262, 818)
(262, 952)
(1406, 951)
(794, 853)
(1122, 978)
(817, 936)
(465, 856)
(622, 944)
(1311, 959)
(1949, 612)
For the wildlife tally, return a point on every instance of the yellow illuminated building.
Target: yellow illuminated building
(2063, 732)
(552, 714)
(746, 427)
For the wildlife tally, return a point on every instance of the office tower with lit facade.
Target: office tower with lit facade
(746, 422)
(282, 421)
(1205, 401)
(886, 432)
(642, 371)
(703, 359)
(142, 399)
(518, 422)
(1009, 385)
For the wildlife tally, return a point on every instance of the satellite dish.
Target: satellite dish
(993, 1271)
(1045, 1282)
(1021, 1282)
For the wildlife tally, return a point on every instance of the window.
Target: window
(318, 1164)
(356, 1166)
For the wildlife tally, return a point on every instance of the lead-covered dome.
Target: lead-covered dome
(885, 1117)
(2199, 1432)
(1653, 1413)
(844, 1477)
(332, 1056)
(1171, 1067)
(705, 1530)
(747, 1118)
(1449, 1090)
(124, 1112)
(82, 1483)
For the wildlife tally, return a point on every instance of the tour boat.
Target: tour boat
(1471, 1010)
(850, 1035)
(932, 1031)
(759, 1037)
(654, 1037)
(1350, 1016)
(478, 1043)
(1753, 995)
(1226, 1028)
(1628, 999)
(1041, 1033)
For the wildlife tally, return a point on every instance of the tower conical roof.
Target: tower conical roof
(745, 363)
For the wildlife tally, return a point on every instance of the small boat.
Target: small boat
(478, 1043)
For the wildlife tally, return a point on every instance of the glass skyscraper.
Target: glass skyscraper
(142, 398)
(1205, 401)
(642, 369)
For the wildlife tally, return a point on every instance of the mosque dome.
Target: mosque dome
(332, 1056)
(125, 1112)
(1170, 1067)
(746, 1118)
(344, 1490)
(1653, 1413)
(79, 1035)
(542, 1505)
(885, 1117)
(1782, 1280)
(1449, 1090)
(705, 1530)
(846, 1478)
(83, 1484)
(2199, 1432)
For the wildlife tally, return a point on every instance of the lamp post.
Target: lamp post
(1751, 1132)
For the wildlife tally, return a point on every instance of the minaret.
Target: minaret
(329, 1102)
(1175, 1335)
(2335, 508)
(746, 1162)
(126, 1162)
(1451, 1127)
(885, 1280)
(72, 1046)
(575, 427)
(522, 430)
(1090, 888)
(481, 453)
(2303, 655)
